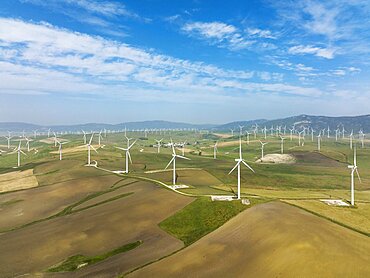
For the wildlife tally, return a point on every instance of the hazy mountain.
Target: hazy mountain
(316, 122)
(19, 127)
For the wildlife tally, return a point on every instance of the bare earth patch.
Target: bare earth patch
(17, 180)
(74, 149)
(277, 159)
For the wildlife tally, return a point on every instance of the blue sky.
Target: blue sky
(77, 61)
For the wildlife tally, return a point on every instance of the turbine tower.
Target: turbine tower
(262, 146)
(60, 149)
(128, 155)
(173, 159)
(237, 165)
(282, 144)
(353, 170)
(215, 150)
(318, 141)
(89, 147)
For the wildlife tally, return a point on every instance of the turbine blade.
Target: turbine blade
(123, 149)
(248, 166)
(358, 175)
(183, 157)
(93, 148)
(236, 165)
(169, 163)
(92, 135)
(129, 155)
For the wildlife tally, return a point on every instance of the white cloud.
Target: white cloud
(327, 53)
(225, 35)
(256, 32)
(46, 59)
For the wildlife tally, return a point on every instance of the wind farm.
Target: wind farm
(278, 174)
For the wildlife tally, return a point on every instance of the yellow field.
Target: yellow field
(270, 240)
(17, 180)
(358, 218)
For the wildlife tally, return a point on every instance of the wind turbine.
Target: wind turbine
(183, 148)
(299, 137)
(8, 138)
(241, 130)
(262, 146)
(49, 132)
(328, 132)
(350, 140)
(128, 155)
(247, 137)
(174, 156)
(89, 147)
(100, 137)
(291, 133)
(232, 132)
(312, 132)
(318, 141)
(353, 170)
(19, 151)
(282, 144)
(159, 143)
(28, 144)
(84, 133)
(60, 149)
(237, 165)
(215, 150)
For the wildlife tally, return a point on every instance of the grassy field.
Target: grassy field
(78, 261)
(202, 217)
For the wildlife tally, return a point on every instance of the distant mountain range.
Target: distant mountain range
(19, 127)
(316, 122)
(354, 123)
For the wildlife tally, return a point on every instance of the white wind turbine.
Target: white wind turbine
(299, 137)
(328, 132)
(28, 143)
(183, 148)
(248, 137)
(262, 147)
(49, 132)
(353, 170)
(240, 130)
(291, 133)
(350, 140)
(60, 149)
(100, 137)
(237, 165)
(232, 132)
(312, 132)
(89, 147)
(282, 144)
(159, 144)
(8, 138)
(174, 156)
(318, 142)
(19, 151)
(215, 150)
(84, 136)
(128, 155)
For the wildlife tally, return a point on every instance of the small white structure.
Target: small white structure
(178, 186)
(246, 202)
(338, 203)
(222, 198)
